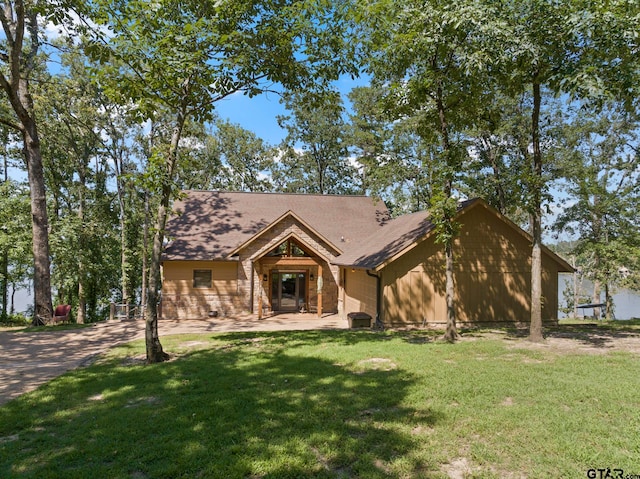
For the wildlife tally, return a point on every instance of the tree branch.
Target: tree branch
(10, 124)
(7, 21)
(35, 43)
(16, 51)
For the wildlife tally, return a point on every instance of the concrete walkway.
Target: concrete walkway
(29, 359)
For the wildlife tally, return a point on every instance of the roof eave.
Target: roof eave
(271, 225)
(472, 204)
(264, 251)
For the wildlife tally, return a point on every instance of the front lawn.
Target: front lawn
(331, 404)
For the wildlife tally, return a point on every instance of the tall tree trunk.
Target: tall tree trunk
(608, 299)
(155, 352)
(451, 331)
(535, 328)
(12, 309)
(124, 276)
(4, 283)
(600, 234)
(4, 271)
(145, 249)
(18, 63)
(82, 274)
(39, 224)
(575, 287)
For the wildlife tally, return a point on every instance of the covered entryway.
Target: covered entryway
(288, 291)
(291, 279)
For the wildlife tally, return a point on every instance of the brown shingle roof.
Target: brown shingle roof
(402, 233)
(211, 224)
(390, 240)
(396, 236)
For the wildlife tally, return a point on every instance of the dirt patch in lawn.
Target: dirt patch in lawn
(375, 364)
(581, 339)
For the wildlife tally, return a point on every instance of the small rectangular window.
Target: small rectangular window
(202, 278)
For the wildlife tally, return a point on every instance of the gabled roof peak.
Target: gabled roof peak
(214, 224)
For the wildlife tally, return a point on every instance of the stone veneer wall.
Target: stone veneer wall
(181, 300)
(271, 240)
(200, 306)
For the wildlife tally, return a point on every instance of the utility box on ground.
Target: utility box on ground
(359, 320)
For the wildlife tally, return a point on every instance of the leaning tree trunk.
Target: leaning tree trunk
(155, 352)
(535, 327)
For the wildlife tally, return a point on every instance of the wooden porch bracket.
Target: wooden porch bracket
(320, 284)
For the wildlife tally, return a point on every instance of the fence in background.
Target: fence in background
(125, 311)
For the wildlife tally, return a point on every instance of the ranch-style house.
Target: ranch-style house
(266, 253)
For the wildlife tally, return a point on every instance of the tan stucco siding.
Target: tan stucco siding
(181, 300)
(360, 289)
(178, 277)
(492, 277)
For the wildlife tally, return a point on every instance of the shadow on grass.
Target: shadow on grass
(339, 337)
(253, 407)
(595, 334)
(313, 337)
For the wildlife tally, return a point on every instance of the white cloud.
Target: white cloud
(70, 29)
(191, 143)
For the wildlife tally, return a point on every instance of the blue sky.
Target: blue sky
(258, 114)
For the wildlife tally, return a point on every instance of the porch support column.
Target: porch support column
(320, 282)
(259, 289)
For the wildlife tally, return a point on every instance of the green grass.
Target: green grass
(330, 404)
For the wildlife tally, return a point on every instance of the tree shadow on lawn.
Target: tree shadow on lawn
(599, 336)
(340, 337)
(227, 412)
(591, 335)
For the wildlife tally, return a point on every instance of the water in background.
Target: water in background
(626, 303)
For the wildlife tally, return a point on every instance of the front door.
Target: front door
(288, 291)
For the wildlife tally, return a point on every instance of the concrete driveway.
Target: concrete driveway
(29, 359)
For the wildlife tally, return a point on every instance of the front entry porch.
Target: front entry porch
(290, 285)
(289, 291)
(293, 277)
